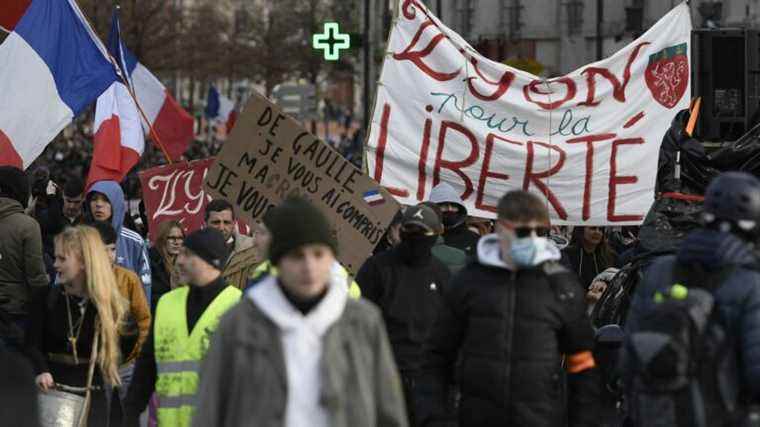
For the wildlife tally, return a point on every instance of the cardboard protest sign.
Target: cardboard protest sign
(586, 142)
(175, 192)
(270, 157)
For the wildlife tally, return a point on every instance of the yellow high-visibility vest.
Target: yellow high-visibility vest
(179, 352)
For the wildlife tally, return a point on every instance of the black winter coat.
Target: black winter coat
(160, 278)
(462, 238)
(409, 297)
(510, 330)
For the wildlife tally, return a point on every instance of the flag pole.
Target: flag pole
(152, 131)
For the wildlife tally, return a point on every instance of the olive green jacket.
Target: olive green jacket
(244, 381)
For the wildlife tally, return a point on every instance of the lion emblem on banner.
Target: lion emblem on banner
(667, 75)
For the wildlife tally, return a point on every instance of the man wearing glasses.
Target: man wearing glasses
(511, 323)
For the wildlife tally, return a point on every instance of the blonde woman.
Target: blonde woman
(64, 320)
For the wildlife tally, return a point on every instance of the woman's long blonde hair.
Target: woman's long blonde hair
(85, 243)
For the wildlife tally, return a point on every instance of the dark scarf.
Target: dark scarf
(416, 249)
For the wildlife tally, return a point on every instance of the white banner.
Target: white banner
(587, 142)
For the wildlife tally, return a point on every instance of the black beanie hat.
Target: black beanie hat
(295, 223)
(209, 245)
(14, 184)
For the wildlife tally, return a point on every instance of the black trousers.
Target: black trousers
(408, 382)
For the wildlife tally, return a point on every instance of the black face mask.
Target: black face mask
(415, 247)
(452, 219)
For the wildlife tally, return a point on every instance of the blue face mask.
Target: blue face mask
(524, 250)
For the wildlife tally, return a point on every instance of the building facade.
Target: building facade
(562, 35)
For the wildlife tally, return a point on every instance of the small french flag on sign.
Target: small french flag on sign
(374, 198)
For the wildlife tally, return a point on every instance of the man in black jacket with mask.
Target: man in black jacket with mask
(406, 283)
(507, 321)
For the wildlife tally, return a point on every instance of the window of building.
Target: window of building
(465, 13)
(574, 10)
(510, 19)
(634, 16)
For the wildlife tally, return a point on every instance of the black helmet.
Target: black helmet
(733, 198)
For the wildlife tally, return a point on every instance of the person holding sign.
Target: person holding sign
(297, 351)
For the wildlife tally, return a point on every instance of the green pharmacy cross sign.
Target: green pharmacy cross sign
(331, 41)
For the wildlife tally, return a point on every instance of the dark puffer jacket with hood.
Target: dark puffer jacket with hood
(21, 267)
(131, 250)
(737, 298)
(510, 328)
(457, 234)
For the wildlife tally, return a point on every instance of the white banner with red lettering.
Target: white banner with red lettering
(587, 142)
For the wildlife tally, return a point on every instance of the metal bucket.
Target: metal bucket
(60, 409)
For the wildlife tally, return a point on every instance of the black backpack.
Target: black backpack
(681, 362)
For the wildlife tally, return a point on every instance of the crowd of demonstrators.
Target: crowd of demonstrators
(70, 154)
(184, 321)
(444, 326)
(22, 270)
(297, 351)
(406, 283)
(81, 322)
(506, 322)
(163, 259)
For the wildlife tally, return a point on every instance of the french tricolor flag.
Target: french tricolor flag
(171, 123)
(220, 108)
(119, 140)
(52, 66)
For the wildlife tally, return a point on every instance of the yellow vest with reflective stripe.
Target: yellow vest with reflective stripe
(179, 352)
